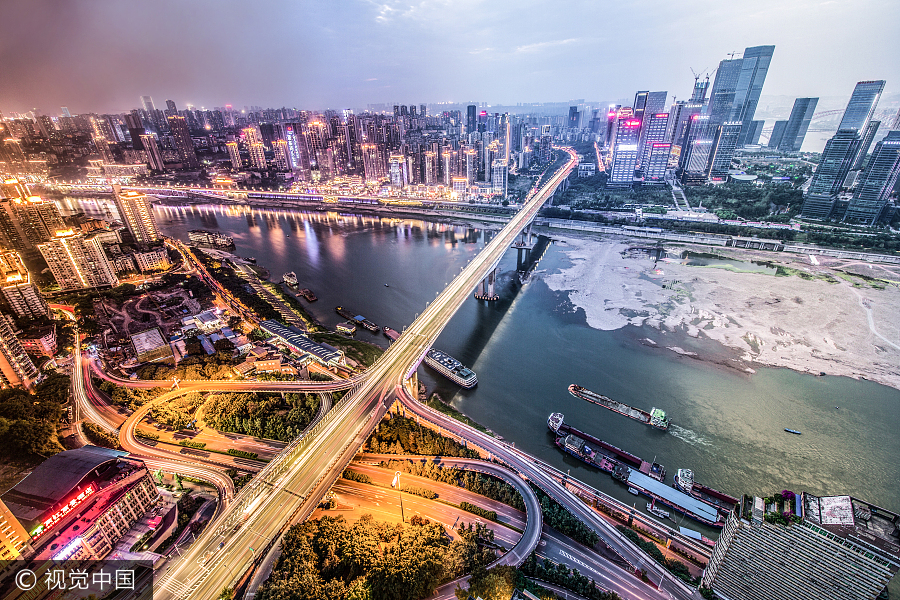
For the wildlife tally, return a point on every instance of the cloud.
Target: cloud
(372, 79)
(542, 45)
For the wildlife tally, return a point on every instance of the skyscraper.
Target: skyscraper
(470, 118)
(777, 134)
(657, 163)
(78, 261)
(499, 175)
(753, 134)
(234, 154)
(652, 132)
(20, 293)
(147, 103)
(154, 156)
(737, 87)
(865, 143)
(16, 367)
(625, 153)
(881, 173)
(179, 128)
(135, 129)
(797, 125)
(700, 137)
(842, 151)
(728, 135)
(137, 215)
(828, 548)
(257, 155)
(837, 158)
(862, 105)
(282, 156)
(574, 121)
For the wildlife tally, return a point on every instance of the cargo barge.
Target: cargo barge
(358, 319)
(310, 297)
(643, 479)
(600, 454)
(451, 368)
(684, 481)
(391, 334)
(655, 418)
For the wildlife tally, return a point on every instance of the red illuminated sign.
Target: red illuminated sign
(52, 520)
(633, 123)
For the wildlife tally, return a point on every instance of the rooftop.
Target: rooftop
(146, 341)
(54, 479)
(295, 339)
(856, 521)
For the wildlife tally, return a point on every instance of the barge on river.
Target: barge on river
(655, 418)
(684, 481)
(451, 368)
(600, 454)
(645, 478)
(358, 319)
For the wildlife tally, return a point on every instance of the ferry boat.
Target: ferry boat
(600, 454)
(391, 334)
(210, 238)
(684, 481)
(358, 319)
(451, 368)
(290, 279)
(662, 514)
(349, 327)
(310, 297)
(655, 418)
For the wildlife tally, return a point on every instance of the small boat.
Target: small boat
(794, 431)
(250, 259)
(290, 279)
(657, 511)
(631, 490)
(386, 285)
(310, 297)
(349, 328)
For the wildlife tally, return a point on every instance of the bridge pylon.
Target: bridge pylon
(486, 289)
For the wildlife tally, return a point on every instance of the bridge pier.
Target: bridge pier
(485, 289)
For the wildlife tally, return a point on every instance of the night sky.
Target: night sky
(101, 55)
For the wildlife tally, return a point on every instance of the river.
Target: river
(527, 348)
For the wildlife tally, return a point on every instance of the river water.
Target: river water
(527, 348)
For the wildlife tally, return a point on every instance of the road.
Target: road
(294, 483)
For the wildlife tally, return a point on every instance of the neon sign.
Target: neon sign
(55, 518)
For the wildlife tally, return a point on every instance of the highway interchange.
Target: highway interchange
(289, 488)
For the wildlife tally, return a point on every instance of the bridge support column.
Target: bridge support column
(486, 289)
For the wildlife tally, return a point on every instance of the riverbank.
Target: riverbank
(816, 315)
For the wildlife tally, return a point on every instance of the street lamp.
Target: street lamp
(396, 483)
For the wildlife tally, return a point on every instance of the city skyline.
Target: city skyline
(368, 52)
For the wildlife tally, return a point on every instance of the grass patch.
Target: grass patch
(99, 436)
(477, 510)
(437, 404)
(362, 352)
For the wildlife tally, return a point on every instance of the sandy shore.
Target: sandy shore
(827, 315)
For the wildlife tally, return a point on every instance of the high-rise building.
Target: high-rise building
(499, 176)
(640, 104)
(154, 156)
(373, 164)
(282, 155)
(872, 193)
(755, 131)
(137, 215)
(777, 134)
(865, 143)
(574, 118)
(625, 153)
(797, 125)
(135, 129)
(13, 537)
(180, 131)
(257, 155)
(819, 548)
(837, 158)
(737, 87)
(657, 163)
(398, 171)
(728, 135)
(147, 103)
(653, 131)
(235, 155)
(16, 367)
(470, 118)
(431, 171)
(700, 138)
(862, 105)
(78, 261)
(26, 221)
(18, 290)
